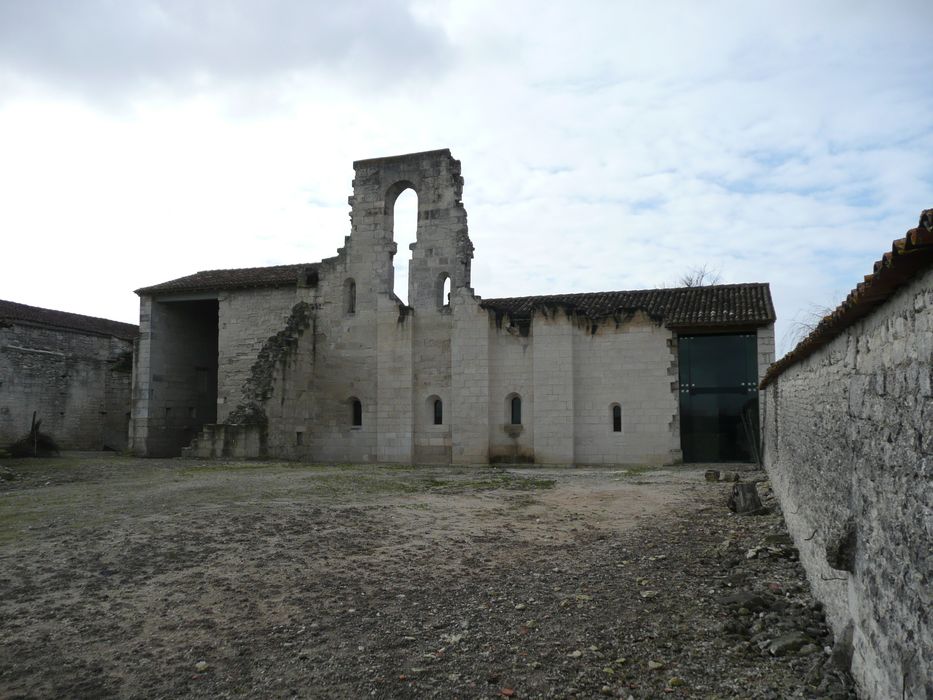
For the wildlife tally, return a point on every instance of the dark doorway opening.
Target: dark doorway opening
(719, 397)
(184, 373)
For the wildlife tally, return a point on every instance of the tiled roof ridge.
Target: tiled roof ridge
(233, 278)
(908, 255)
(251, 268)
(14, 311)
(630, 291)
(746, 303)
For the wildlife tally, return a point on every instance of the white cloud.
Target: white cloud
(113, 50)
(611, 145)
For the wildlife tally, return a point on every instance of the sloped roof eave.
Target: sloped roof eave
(228, 279)
(909, 256)
(14, 312)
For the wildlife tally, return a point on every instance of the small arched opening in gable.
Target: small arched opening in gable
(442, 291)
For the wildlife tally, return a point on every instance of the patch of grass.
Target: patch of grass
(491, 483)
(236, 466)
(636, 470)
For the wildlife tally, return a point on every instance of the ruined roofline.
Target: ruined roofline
(747, 304)
(908, 257)
(368, 162)
(11, 311)
(233, 278)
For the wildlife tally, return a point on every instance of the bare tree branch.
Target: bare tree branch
(804, 323)
(701, 276)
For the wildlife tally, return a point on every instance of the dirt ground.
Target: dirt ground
(180, 578)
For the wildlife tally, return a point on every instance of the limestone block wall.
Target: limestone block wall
(431, 352)
(142, 381)
(394, 407)
(848, 439)
(77, 383)
(765, 336)
(511, 373)
(568, 378)
(632, 365)
(552, 381)
(470, 351)
(342, 352)
(246, 319)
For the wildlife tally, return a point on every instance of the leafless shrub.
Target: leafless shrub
(702, 276)
(804, 323)
(35, 444)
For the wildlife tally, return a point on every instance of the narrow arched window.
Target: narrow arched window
(616, 418)
(438, 412)
(515, 406)
(349, 294)
(356, 410)
(441, 289)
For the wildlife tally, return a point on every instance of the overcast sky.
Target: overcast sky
(605, 145)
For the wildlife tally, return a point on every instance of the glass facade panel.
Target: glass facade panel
(718, 397)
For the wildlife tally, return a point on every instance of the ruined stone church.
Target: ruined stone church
(322, 361)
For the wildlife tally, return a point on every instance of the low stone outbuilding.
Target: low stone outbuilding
(322, 361)
(848, 428)
(73, 372)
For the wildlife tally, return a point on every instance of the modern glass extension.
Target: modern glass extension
(719, 397)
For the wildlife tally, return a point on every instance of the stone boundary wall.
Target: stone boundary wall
(849, 449)
(77, 383)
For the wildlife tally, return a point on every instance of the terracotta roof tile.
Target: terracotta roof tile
(238, 278)
(715, 305)
(12, 312)
(908, 257)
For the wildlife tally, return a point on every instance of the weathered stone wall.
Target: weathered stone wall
(765, 336)
(431, 343)
(629, 365)
(849, 448)
(77, 383)
(511, 373)
(246, 319)
(470, 353)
